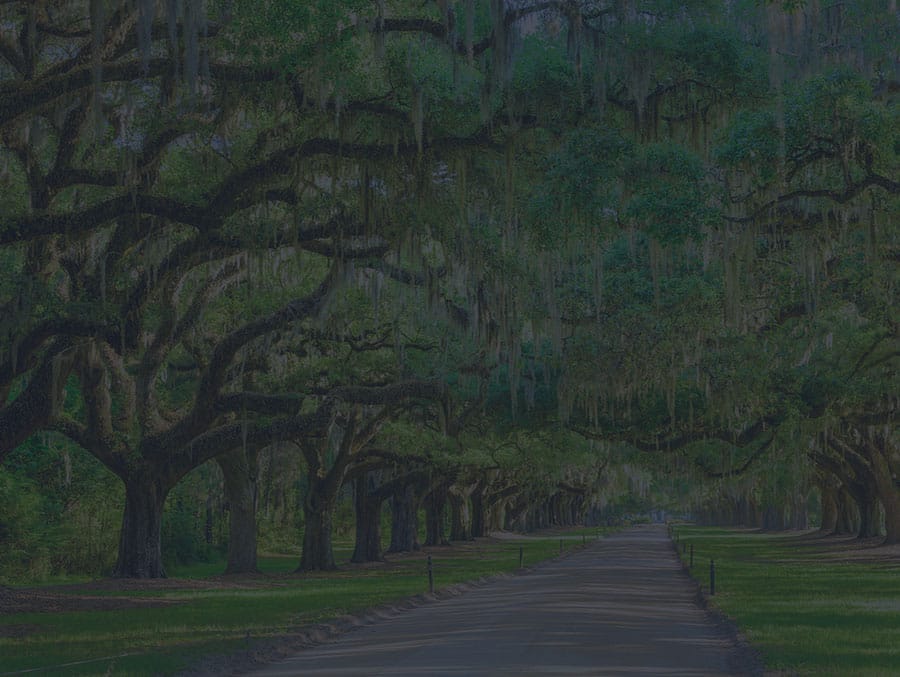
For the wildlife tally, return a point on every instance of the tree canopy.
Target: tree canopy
(514, 257)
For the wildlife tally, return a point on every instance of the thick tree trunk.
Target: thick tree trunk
(459, 517)
(756, 521)
(318, 513)
(869, 514)
(434, 516)
(888, 493)
(140, 548)
(770, 518)
(404, 521)
(576, 510)
(478, 517)
(848, 513)
(494, 515)
(368, 521)
(742, 510)
(241, 492)
(515, 519)
(829, 501)
(800, 514)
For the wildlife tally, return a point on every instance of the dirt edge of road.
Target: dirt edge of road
(744, 659)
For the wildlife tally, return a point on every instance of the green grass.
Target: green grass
(807, 612)
(165, 639)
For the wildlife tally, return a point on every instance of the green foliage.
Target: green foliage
(667, 196)
(193, 521)
(25, 544)
(544, 80)
(58, 509)
(751, 142)
(291, 35)
(14, 189)
(580, 186)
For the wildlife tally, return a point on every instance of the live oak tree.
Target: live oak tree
(138, 237)
(666, 225)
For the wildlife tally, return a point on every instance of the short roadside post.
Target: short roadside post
(692, 555)
(430, 575)
(521, 556)
(712, 577)
(560, 546)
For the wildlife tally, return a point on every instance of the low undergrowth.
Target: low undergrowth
(201, 613)
(811, 605)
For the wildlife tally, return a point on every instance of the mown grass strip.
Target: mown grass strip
(807, 608)
(215, 620)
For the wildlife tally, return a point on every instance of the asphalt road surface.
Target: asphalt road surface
(620, 607)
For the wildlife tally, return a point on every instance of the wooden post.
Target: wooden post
(712, 577)
(430, 575)
(521, 556)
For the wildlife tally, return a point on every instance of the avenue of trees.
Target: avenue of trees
(488, 263)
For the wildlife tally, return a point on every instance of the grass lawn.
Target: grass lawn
(209, 614)
(813, 606)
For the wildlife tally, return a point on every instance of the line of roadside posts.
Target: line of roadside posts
(687, 551)
(430, 562)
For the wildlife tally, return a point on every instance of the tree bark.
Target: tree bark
(367, 504)
(494, 515)
(829, 503)
(241, 492)
(140, 548)
(318, 513)
(404, 521)
(459, 517)
(435, 503)
(515, 519)
(867, 502)
(848, 514)
(888, 492)
(478, 517)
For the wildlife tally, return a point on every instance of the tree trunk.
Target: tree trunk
(888, 493)
(140, 548)
(478, 517)
(404, 521)
(800, 512)
(742, 510)
(515, 519)
(318, 513)
(769, 518)
(241, 492)
(847, 513)
(553, 508)
(434, 516)
(868, 515)
(459, 517)
(829, 502)
(368, 521)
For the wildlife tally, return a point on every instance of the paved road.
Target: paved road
(620, 607)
